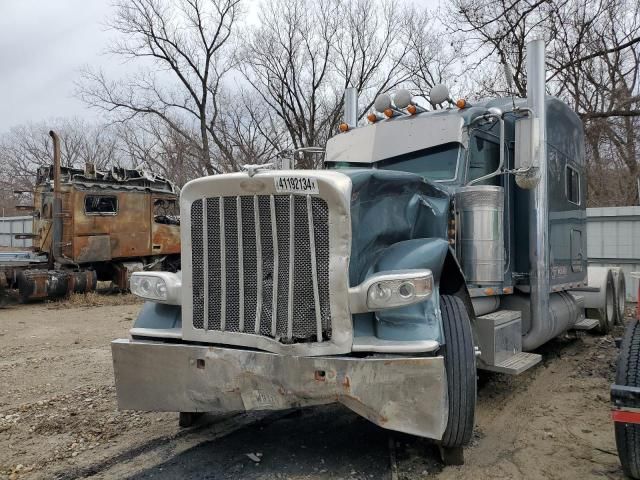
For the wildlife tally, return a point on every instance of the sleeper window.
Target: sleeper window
(572, 179)
(100, 205)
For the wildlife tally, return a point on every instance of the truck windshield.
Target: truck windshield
(438, 163)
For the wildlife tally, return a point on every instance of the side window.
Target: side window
(166, 211)
(484, 158)
(572, 184)
(101, 205)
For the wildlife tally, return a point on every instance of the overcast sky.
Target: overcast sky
(43, 44)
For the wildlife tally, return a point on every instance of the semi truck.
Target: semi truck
(433, 243)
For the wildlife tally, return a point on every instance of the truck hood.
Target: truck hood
(388, 207)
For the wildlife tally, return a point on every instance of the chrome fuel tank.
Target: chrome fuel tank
(480, 233)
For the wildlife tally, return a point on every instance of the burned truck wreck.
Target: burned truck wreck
(434, 243)
(91, 225)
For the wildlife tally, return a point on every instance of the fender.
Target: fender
(422, 321)
(159, 315)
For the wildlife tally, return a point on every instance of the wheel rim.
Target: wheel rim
(610, 307)
(622, 298)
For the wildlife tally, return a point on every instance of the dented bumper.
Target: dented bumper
(406, 394)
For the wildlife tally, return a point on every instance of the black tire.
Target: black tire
(460, 362)
(620, 297)
(607, 314)
(628, 374)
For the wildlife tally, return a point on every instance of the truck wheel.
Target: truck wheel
(607, 314)
(628, 374)
(460, 362)
(620, 296)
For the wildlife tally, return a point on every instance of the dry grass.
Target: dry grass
(95, 299)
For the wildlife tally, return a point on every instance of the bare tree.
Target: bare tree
(26, 147)
(186, 45)
(593, 53)
(303, 54)
(154, 146)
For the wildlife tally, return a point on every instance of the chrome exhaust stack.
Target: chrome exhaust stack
(541, 320)
(351, 107)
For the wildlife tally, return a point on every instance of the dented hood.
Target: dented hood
(388, 207)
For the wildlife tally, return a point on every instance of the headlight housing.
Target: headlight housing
(161, 287)
(392, 289)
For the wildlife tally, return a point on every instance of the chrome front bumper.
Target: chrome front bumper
(406, 394)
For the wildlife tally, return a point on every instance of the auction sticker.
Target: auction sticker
(303, 185)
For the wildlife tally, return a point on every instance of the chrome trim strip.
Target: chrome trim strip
(240, 262)
(375, 344)
(292, 246)
(205, 265)
(256, 219)
(175, 333)
(274, 236)
(223, 269)
(314, 270)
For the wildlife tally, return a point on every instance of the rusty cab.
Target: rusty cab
(91, 225)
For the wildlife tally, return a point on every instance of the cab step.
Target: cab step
(586, 324)
(500, 340)
(516, 364)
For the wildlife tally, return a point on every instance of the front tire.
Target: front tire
(628, 374)
(460, 363)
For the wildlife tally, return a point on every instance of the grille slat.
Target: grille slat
(198, 258)
(276, 264)
(292, 251)
(232, 267)
(240, 263)
(259, 277)
(205, 265)
(266, 266)
(223, 266)
(314, 270)
(214, 262)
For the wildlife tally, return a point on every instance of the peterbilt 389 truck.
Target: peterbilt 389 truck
(432, 244)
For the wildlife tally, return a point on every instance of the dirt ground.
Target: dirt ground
(58, 417)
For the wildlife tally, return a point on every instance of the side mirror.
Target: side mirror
(527, 141)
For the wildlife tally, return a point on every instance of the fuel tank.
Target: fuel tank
(480, 233)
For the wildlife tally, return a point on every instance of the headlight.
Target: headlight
(396, 293)
(163, 287)
(396, 288)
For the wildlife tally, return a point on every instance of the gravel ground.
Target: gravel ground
(58, 418)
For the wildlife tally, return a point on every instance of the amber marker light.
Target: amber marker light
(372, 117)
(461, 103)
(388, 113)
(343, 127)
(412, 109)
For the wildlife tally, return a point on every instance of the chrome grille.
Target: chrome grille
(261, 266)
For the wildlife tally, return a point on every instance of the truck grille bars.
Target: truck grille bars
(261, 266)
